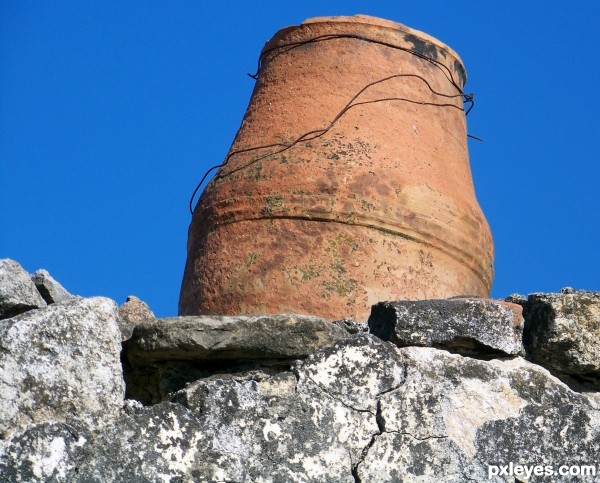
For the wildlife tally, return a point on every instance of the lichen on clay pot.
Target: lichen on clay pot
(347, 184)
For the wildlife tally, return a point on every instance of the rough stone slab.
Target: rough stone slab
(312, 425)
(159, 443)
(43, 452)
(234, 338)
(61, 364)
(165, 354)
(356, 372)
(17, 292)
(361, 410)
(300, 426)
(562, 332)
(133, 312)
(50, 290)
(453, 416)
(468, 326)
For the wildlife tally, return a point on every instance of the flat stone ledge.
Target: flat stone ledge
(165, 354)
(198, 338)
(468, 326)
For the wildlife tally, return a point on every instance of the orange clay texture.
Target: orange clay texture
(375, 204)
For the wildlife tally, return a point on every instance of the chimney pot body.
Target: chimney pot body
(362, 191)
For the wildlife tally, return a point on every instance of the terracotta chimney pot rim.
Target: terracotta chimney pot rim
(367, 21)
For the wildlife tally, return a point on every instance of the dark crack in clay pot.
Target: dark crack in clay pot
(363, 192)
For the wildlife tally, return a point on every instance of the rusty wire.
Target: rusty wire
(283, 48)
(350, 104)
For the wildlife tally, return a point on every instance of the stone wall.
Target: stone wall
(429, 391)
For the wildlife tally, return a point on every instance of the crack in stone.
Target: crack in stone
(426, 438)
(387, 391)
(378, 416)
(378, 419)
(380, 426)
(336, 398)
(381, 430)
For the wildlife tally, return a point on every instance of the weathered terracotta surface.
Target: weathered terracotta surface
(379, 207)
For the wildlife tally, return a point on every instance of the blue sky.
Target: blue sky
(110, 112)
